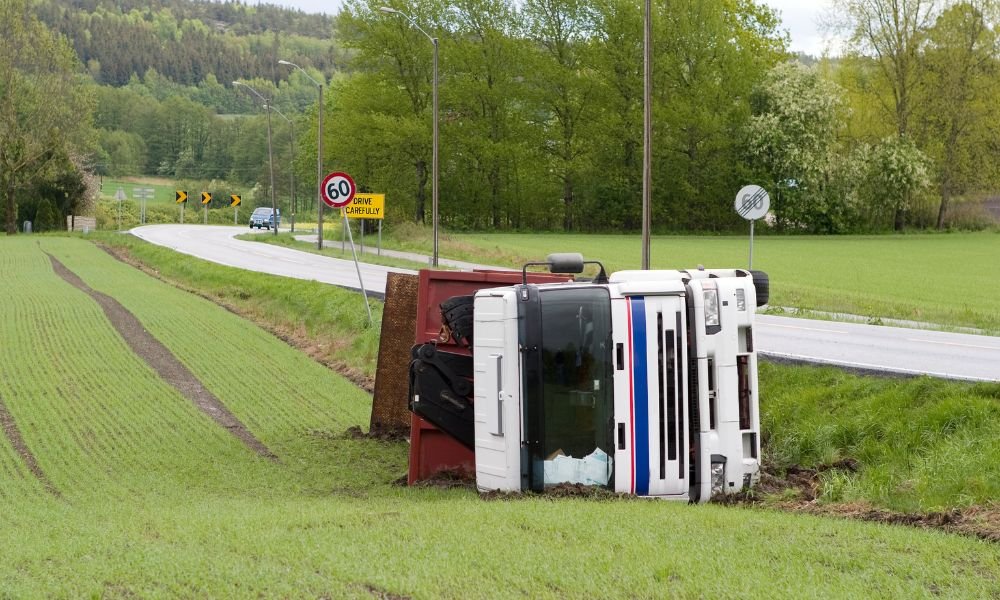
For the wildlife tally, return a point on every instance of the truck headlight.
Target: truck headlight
(718, 474)
(711, 307)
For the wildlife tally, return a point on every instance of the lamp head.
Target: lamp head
(285, 62)
(387, 10)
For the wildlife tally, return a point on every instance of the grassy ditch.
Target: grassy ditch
(911, 445)
(158, 501)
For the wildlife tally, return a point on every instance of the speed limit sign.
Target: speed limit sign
(338, 189)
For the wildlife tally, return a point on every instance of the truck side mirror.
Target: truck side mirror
(565, 262)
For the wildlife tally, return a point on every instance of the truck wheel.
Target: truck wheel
(762, 284)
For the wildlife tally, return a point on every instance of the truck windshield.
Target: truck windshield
(576, 409)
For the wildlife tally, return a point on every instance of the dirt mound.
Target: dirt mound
(383, 435)
(448, 479)
(977, 521)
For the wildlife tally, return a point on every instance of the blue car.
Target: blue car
(263, 219)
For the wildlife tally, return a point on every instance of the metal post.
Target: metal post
(751, 243)
(380, 237)
(270, 162)
(291, 124)
(357, 267)
(647, 133)
(319, 174)
(434, 155)
(434, 132)
(270, 155)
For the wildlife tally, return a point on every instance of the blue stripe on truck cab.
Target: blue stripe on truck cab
(640, 398)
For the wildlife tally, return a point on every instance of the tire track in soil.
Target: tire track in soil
(164, 362)
(14, 437)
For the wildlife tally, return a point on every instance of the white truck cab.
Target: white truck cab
(644, 383)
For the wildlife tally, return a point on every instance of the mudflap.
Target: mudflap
(441, 390)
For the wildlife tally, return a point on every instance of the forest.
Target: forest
(540, 110)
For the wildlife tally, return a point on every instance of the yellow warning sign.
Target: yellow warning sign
(181, 197)
(366, 206)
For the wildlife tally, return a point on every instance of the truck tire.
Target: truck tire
(457, 314)
(763, 286)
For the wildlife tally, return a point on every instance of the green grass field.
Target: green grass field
(947, 279)
(158, 501)
(163, 189)
(943, 279)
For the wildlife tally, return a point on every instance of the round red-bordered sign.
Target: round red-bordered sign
(338, 189)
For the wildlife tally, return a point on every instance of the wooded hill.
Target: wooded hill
(541, 108)
(186, 41)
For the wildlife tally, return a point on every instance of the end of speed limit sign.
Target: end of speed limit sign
(338, 189)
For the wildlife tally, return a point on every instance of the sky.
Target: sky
(801, 18)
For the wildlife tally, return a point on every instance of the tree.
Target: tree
(397, 59)
(486, 121)
(712, 54)
(792, 140)
(897, 172)
(564, 85)
(43, 105)
(960, 112)
(892, 33)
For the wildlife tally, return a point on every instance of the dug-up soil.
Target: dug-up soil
(13, 434)
(982, 522)
(164, 362)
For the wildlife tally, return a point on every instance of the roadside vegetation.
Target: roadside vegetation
(156, 500)
(919, 277)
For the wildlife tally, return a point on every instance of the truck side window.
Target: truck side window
(577, 386)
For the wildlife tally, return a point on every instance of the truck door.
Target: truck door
(651, 424)
(568, 389)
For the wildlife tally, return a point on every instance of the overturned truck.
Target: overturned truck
(644, 382)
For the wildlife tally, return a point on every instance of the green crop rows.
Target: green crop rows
(158, 501)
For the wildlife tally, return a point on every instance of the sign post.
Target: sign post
(119, 196)
(367, 206)
(142, 195)
(181, 197)
(752, 203)
(234, 201)
(206, 199)
(338, 191)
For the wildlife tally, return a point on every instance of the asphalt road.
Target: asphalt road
(864, 348)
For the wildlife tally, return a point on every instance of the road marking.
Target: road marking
(806, 328)
(953, 344)
(872, 366)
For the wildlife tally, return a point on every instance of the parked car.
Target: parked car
(262, 218)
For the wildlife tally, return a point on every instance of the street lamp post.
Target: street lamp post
(319, 154)
(270, 155)
(434, 138)
(291, 126)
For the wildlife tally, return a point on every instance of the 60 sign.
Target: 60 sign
(338, 189)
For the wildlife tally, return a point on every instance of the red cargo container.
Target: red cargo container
(432, 450)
